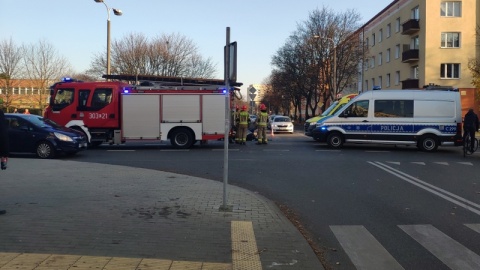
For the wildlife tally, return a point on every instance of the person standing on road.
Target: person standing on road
(26, 111)
(236, 115)
(470, 126)
(243, 120)
(262, 120)
(4, 150)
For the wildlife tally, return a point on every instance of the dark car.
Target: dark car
(30, 133)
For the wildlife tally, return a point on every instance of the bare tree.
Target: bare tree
(167, 55)
(323, 42)
(44, 66)
(10, 69)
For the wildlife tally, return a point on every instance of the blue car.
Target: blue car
(30, 133)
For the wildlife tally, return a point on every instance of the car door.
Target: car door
(355, 121)
(21, 138)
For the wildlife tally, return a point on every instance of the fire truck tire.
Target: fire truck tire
(45, 150)
(181, 138)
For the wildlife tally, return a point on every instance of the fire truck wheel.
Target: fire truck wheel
(181, 138)
(45, 150)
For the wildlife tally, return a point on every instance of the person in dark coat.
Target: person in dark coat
(4, 151)
(470, 126)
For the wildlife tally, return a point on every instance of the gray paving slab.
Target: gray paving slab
(88, 209)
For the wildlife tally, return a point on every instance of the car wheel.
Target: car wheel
(335, 140)
(45, 150)
(182, 138)
(428, 143)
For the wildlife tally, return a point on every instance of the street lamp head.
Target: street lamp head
(117, 12)
(99, 1)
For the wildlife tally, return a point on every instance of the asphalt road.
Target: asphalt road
(405, 208)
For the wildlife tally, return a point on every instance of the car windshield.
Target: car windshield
(42, 122)
(282, 119)
(329, 109)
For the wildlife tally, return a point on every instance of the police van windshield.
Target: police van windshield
(329, 109)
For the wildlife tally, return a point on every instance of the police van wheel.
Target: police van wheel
(335, 140)
(181, 138)
(428, 143)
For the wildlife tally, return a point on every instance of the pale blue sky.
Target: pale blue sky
(78, 28)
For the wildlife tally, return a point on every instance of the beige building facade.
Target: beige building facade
(416, 43)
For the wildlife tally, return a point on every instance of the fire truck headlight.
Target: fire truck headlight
(63, 137)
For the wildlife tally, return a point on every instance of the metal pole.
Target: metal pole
(226, 139)
(108, 45)
(334, 69)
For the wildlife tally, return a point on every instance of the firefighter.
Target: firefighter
(236, 114)
(262, 120)
(243, 120)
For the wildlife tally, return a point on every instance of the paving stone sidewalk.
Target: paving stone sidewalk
(87, 209)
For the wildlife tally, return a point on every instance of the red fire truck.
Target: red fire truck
(181, 110)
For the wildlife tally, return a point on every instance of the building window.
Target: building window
(380, 56)
(373, 39)
(415, 71)
(450, 71)
(387, 81)
(373, 82)
(367, 41)
(415, 13)
(397, 25)
(389, 30)
(397, 51)
(380, 35)
(380, 81)
(450, 40)
(387, 56)
(414, 43)
(366, 84)
(451, 9)
(372, 62)
(397, 77)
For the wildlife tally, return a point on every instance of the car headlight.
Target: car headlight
(313, 123)
(63, 137)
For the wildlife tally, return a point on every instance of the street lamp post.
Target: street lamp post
(334, 84)
(117, 12)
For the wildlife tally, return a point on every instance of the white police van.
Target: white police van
(425, 118)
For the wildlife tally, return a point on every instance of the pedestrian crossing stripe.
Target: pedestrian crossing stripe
(366, 252)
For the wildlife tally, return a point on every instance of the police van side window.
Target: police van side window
(393, 108)
(358, 109)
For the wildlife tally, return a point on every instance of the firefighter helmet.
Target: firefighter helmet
(244, 107)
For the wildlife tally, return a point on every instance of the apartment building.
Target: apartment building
(415, 43)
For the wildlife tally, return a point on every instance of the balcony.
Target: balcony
(410, 84)
(410, 56)
(410, 27)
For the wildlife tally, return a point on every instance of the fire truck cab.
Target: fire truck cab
(181, 110)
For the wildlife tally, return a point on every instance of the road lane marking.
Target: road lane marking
(462, 202)
(126, 150)
(363, 249)
(449, 251)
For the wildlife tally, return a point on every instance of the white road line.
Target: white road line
(475, 227)
(363, 249)
(442, 163)
(224, 149)
(276, 150)
(419, 163)
(121, 150)
(469, 205)
(174, 150)
(449, 251)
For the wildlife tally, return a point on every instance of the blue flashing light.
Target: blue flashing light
(67, 79)
(126, 90)
(224, 91)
